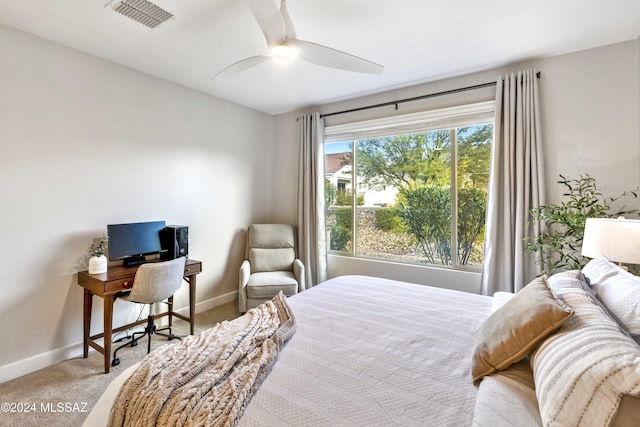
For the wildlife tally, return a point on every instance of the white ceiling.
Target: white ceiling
(416, 40)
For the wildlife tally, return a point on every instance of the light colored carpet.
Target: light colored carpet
(64, 394)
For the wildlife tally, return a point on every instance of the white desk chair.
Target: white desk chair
(154, 282)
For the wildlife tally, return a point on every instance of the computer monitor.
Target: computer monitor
(132, 242)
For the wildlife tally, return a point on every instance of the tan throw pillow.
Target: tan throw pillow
(512, 331)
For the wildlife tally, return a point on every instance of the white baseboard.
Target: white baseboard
(39, 361)
(210, 303)
(48, 358)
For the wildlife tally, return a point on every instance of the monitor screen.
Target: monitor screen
(131, 242)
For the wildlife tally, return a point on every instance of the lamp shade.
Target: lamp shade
(618, 239)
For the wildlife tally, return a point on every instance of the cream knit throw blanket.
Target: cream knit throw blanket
(206, 379)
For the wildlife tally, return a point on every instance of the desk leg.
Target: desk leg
(192, 302)
(108, 326)
(88, 300)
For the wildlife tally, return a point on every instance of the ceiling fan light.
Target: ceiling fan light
(283, 51)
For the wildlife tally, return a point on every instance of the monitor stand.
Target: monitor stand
(134, 261)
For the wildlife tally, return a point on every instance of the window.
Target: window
(411, 188)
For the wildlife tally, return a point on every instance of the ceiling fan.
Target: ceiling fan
(280, 33)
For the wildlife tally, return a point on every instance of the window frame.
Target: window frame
(449, 118)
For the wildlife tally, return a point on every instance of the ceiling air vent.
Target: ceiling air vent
(142, 11)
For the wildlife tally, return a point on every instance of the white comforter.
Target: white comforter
(369, 351)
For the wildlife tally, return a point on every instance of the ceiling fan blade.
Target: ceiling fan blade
(269, 19)
(328, 57)
(290, 30)
(240, 66)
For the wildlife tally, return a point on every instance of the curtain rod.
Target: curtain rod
(415, 98)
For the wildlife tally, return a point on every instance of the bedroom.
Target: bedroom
(86, 142)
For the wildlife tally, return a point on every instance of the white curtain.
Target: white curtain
(312, 241)
(516, 185)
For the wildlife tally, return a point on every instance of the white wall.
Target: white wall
(84, 143)
(590, 113)
(590, 126)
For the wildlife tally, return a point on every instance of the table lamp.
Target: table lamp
(617, 239)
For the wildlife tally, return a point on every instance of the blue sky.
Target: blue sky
(336, 147)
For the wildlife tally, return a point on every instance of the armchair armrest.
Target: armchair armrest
(245, 272)
(298, 271)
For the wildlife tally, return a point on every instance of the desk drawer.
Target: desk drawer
(191, 269)
(118, 285)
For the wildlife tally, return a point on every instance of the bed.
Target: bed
(370, 351)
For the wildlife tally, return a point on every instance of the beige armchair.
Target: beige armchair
(271, 265)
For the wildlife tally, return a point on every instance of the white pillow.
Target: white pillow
(621, 295)
(599, 269)
(583, 370)
(618, 290)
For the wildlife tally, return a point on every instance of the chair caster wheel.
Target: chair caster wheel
(171, 337)
(115, 362)
(134, 343)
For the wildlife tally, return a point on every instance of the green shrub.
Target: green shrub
(343, 217)
(426, 212)
(340, 234)
(387, 219)
(329, 192)
(340, 238)
(343, 198)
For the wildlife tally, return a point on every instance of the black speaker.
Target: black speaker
(175, 242)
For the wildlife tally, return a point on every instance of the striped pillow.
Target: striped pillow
(583, 370)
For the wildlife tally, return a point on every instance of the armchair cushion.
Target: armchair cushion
(263, 285)
(271, 236)
(279, 259)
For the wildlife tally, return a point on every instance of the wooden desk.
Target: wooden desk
(108, 285)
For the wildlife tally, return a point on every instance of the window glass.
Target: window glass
(338, 200)
(416, 197)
